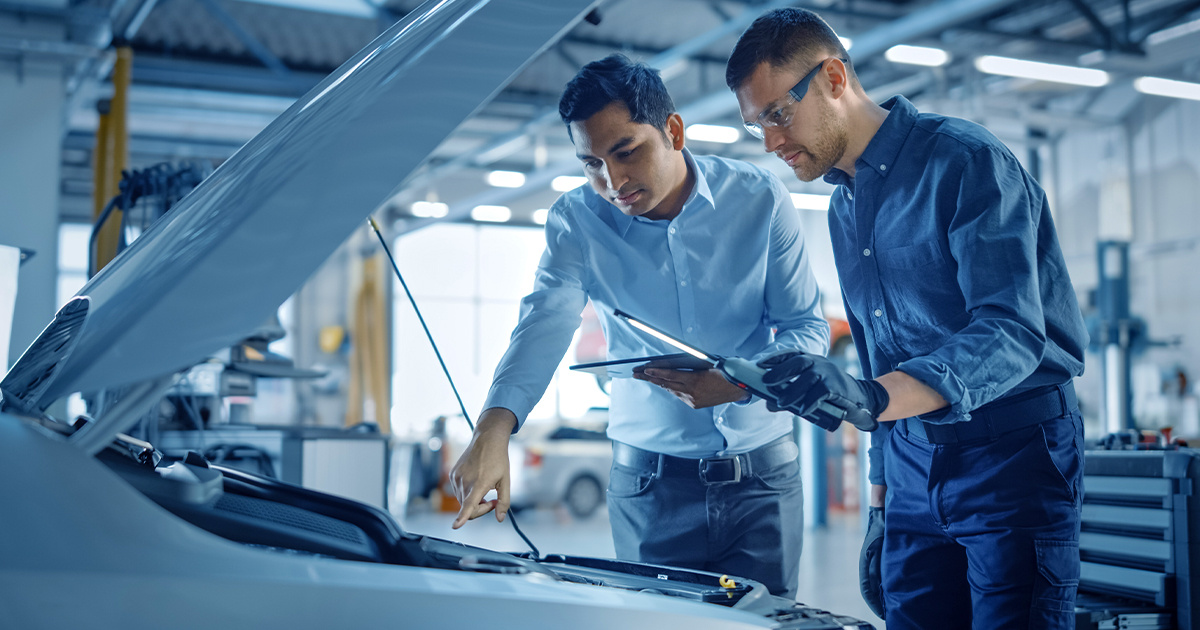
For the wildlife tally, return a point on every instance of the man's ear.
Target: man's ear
(839, 77)
(674, 131)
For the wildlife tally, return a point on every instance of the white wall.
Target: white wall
(468, 281)
(1151, 165)
(31, 99)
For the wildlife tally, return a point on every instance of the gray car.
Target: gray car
(563, 464)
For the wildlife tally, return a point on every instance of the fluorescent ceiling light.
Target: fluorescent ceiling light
(563, 183)
(674, 70)
(493, 214)
(846, 42)
(506, 179)
(917, 55)
(809, 201)
(430, 209)
(712, 133)
(1175, 32)
(1167, 87)
(356, 8)
(1023, 69)
(540, 215)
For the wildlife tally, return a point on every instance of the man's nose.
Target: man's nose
(615, 177)
(773, 138)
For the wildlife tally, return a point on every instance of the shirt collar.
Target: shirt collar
(884, 148)
(700, 190)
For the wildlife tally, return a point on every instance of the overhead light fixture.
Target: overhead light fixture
(846, 42)
(429, 209)
(674, 70)
(506, 179)
(491, 214)
(712, 133)
(917, 55)
(540, 215)
(809, 201)
(1167, 87)
(1175, 32)
(563, 183)
(1039, 71)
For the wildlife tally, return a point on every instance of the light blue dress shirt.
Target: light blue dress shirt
(729, 274)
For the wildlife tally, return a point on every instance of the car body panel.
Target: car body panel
(229, 253)
(98, 554)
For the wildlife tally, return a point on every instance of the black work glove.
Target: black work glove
(800, 382)
(870, 566)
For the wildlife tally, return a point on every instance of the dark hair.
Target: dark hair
(616, 79)
(783, 37)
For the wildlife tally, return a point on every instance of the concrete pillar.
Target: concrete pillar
(31, 100)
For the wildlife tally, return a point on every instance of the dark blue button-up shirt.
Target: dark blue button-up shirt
(950, 267)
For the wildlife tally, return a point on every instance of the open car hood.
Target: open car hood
(228, 254)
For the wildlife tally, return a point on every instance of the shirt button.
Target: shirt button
(683, 284)
(690, 328)
(866, 252)
(878, 313)
(850, 195)
(671, 230)
(883, 167)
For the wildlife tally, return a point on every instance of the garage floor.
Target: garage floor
(828, 566)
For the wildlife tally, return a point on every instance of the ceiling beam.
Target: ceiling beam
(520, 138)
(931, 19)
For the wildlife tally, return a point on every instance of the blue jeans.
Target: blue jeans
(753, 528)
(984, 534)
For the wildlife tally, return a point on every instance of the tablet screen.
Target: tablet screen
(626, 367)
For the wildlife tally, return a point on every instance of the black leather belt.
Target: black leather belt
(1001, 416)
(709, 470)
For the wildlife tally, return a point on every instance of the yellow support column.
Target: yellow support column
(111, 157)
(370, 364)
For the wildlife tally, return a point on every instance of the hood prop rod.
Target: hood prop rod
(462, 407)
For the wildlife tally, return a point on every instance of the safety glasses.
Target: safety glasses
(780, 114)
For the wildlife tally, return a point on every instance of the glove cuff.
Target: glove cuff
(876, 395)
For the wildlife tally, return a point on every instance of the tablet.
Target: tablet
(626, 367)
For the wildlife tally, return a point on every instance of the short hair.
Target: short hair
(783, 37)
(613, 79)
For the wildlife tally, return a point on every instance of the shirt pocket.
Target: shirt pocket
(915, 256)
(920, 285)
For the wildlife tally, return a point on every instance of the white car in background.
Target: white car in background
(562, 464)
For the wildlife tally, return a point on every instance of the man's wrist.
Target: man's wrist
(877, 495)
(496, 419)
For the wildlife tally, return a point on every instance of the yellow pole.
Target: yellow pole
(113, 156)
(380, 374)
(100, 162)
(370, 372)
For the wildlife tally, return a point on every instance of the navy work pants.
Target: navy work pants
(753, 528)
(985, 533)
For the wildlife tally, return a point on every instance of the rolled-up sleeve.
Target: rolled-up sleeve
(549, 316)
(993, 240)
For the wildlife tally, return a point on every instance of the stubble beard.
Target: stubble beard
(826, 151)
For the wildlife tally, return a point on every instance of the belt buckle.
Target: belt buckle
(737, 470)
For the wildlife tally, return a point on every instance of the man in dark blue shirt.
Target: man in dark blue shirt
(964, 315)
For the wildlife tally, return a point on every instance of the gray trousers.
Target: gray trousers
(752, 528)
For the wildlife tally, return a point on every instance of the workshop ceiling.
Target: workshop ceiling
(209, 74)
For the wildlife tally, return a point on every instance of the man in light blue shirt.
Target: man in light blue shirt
(708, 249)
